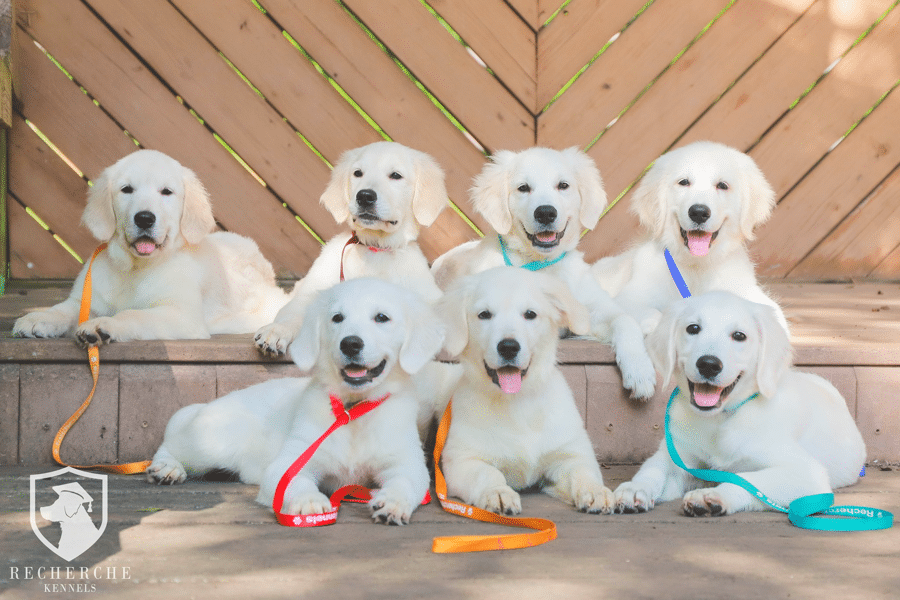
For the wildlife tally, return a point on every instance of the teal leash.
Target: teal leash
(803, 512)
(535, 265)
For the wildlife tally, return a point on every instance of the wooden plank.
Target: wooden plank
(529, 11)
(500, 38)
(230, 378)
(783, 73)
(42, 181)
(620, 74)
(572, 39)
(889, 268)
(861, 241)
(50, 394)
(392, 100)
(878, 412)
(9, 414)
(148, 397)
(829, 193)
(577, 380)
(33, 253)
(137, 99)
(443, 66)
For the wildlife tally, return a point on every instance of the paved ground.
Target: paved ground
(209, 540)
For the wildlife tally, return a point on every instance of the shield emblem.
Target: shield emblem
(70, 505)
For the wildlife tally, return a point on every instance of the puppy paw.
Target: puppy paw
(501, 500)
(273, 339)
(97, 332)
(632, 498)
(639, 376)
(594, 499)
(306, 504)
(41, 324)
(166, 471)
(390, 508)
(706, 502)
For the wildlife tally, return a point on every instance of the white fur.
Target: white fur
(639, 279)
(502, 442)
(260, 431)
(796, 438)
(402, 205)
(498, 195)
(195, 283)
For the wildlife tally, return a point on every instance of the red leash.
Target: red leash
(355, 240)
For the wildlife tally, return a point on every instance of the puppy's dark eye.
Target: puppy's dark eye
(166, 192)
(524, 188)
(739, 336)
(722, 186)
(684, 182)
(337, 318)
(127, 189)
(395, 175)
(562, 185)
(693, 329)
(382, 318)
(485, 315)
(530, 315)
(357, 173)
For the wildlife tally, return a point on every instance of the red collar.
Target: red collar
(355, 240)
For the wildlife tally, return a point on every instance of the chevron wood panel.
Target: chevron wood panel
(261, 97)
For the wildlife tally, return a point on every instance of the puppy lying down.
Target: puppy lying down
(515, 424)
(795, 438)
(163, 274)
(364, 339)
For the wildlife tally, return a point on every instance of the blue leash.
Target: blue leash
(535, 265)
(804, 512)
(676, 275)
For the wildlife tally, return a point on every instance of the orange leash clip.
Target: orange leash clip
(94, 362)
(545, 528)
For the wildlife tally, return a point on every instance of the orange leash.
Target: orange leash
(545, 528)
(94, 362)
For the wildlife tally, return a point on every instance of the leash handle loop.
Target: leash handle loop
(545, 529)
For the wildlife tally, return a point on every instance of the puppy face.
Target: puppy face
(384, 191)
(722, 349)
(540, 198)
(148, 204)
(505, 322)
(356, 333)
(702, 197)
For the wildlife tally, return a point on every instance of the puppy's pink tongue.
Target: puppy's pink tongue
(698, 242)
(546, 236)
(355, 373)
(510, 380)
(144, 246)
(706, 398)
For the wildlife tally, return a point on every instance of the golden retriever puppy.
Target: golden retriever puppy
(515, 423)
(702, 203)
(795, 438)
(163, 274)
(538, 201)
(384, 192)
(363, 339)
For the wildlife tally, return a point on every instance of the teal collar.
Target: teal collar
(535, 265)
(734, 409)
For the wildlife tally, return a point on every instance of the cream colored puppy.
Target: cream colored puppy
(538, 201)
(794, 439)
(515, 423)
(163, 274)
(363, 339)
(702, 202)
(384, 192)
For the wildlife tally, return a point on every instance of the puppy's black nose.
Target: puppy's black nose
(699, 213)
(144, 219)
(366, 198)
(709, 366)
(508, 348)
(545, 214)
(351, 345)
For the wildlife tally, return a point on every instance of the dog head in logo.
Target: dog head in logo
(71, 510)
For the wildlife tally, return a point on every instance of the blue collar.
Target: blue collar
(676, 275)
(535, 265)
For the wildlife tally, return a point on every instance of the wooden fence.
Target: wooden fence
(259, 98)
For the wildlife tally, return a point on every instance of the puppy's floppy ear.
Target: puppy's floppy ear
(490, 191)
(98, 215)
(574, 315)
(306, 346)
(424, 336)
(453, 308)
(661, 341)
(775, 352)
(430, 195)
(758, 197)
(650, 199)
(196, 215)
(590, 187)
(336, 196)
